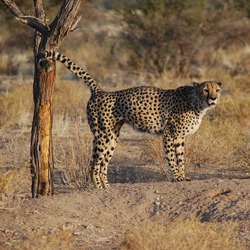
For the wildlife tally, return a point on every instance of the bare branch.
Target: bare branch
(33, 22)
(64, 22)
(39, 10)
(77, 20)
(11, 5)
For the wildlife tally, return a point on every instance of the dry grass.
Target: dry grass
(15, 174)
(74, 160)
(14, 185)
(70, 99)
(4, 59)
(45, 239)
(217, 144)
(183, 235)
(154, 150)
(11, 180)
(16, 106)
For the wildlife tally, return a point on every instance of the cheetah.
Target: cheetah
(173, 114)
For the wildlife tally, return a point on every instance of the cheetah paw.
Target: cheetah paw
(181, 178)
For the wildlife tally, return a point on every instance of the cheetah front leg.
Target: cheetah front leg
(179, 152)
(170, 154)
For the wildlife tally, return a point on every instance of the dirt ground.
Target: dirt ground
(139, 193)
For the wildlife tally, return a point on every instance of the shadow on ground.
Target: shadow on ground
(151, 173)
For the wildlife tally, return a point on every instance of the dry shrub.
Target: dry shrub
(76, 157)
(170, 35)
(183, 235)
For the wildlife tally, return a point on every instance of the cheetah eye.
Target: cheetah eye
(206, 91)
(217, 90)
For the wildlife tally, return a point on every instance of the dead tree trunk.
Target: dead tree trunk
(45, 37)
(41, 152)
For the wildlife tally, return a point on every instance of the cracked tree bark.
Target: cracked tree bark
(46, 36)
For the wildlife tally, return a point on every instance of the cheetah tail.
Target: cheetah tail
(75, 69)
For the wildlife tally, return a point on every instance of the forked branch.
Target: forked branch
(32, 21)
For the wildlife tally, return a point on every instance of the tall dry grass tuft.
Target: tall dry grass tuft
(183, 235)
(75, 158)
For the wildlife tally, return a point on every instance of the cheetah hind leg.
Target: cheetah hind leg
(111, 140)
(107, 158)
(102, 154)
(96, 164)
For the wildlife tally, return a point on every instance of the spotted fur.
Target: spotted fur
(173, 114)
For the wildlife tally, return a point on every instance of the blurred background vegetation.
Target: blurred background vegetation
(154, 36)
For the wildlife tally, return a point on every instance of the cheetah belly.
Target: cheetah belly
(145, 121)
(146, 126)
(141, 108)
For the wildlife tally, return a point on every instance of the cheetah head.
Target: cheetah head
(209, 92)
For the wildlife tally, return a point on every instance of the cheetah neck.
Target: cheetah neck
(198, 106)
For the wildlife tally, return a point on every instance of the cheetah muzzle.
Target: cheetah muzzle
(173, 114)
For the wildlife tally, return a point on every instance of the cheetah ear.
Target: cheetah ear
(219, 83)
(196, 84)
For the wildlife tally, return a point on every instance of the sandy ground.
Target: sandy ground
(139, 193)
